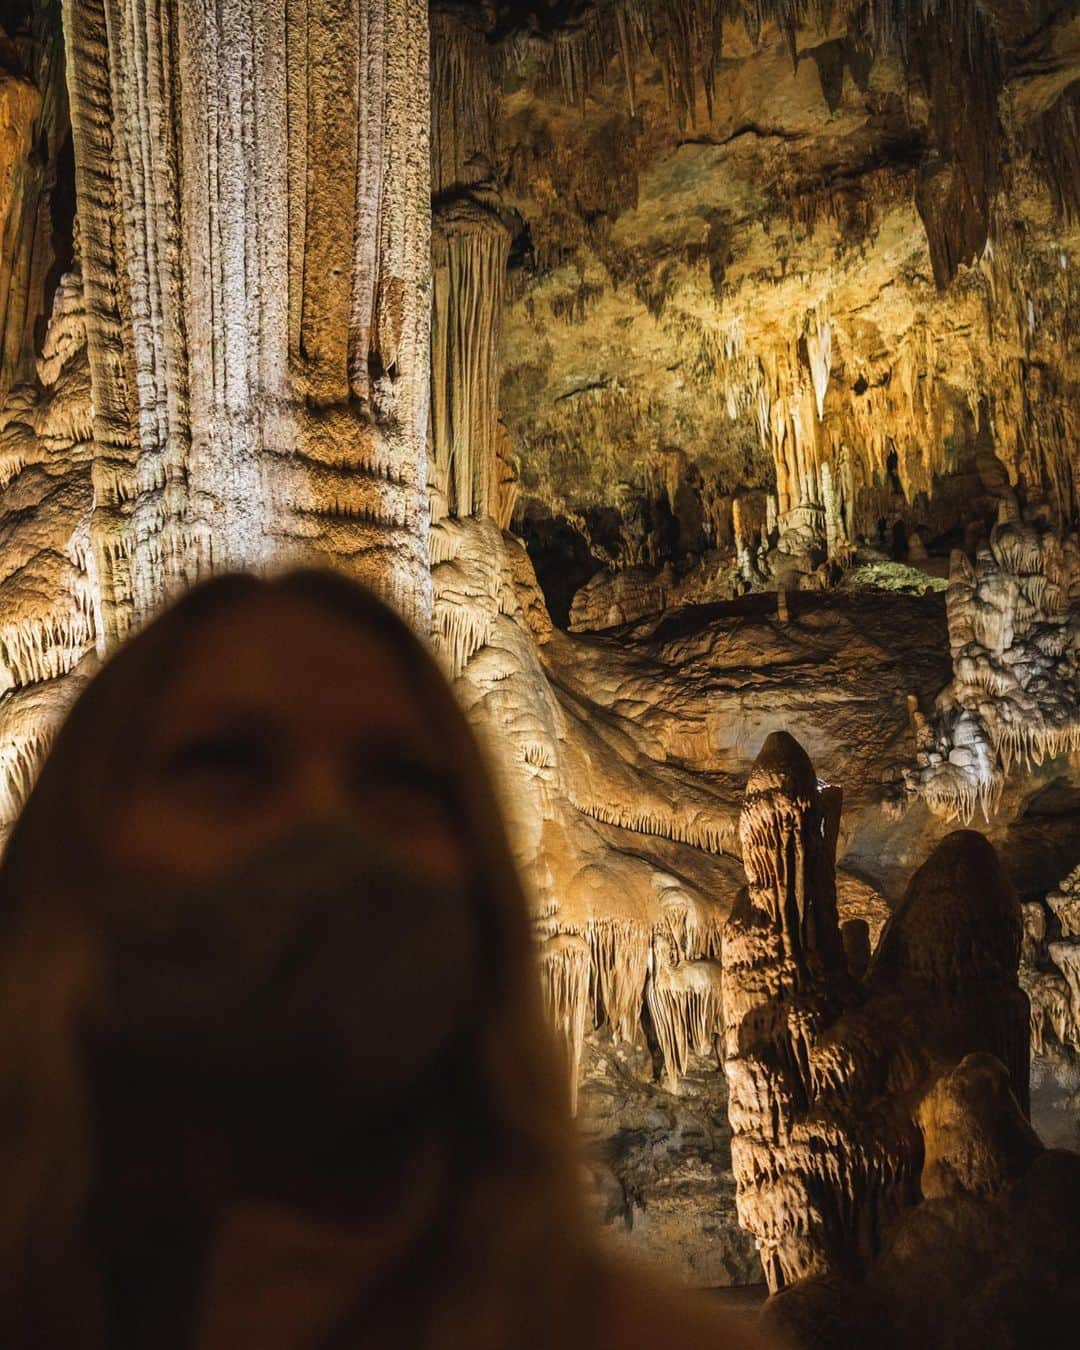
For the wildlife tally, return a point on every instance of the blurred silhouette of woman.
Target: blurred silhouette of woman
(273, 1067)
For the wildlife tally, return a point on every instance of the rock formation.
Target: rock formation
(1015, 694)
(810, 249)
(655, 356)
(988, 1256)
(832, 1078)
(255, 255)
(251, 302)
(1050, 975)
(48, 604)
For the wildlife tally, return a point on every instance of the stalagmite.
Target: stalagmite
(824, 1070)
(1015, 696)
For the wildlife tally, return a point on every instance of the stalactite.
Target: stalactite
(470, 247)
(507, 479)
(619, 966)
(962, 79)
(685, 1004)
(464, 100)
(685, 825)
(564, 977)
(470, 251)
(819, 355)
(686, 38)
(1054, 137)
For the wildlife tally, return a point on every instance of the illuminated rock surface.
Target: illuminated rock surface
(824, 1068)
(695, 371)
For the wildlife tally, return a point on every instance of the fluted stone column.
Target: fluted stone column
(253, 184)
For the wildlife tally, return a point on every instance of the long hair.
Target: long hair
(508, 1259)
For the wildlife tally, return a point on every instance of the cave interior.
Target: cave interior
(702, 377)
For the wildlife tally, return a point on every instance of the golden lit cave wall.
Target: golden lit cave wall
(197, 391)
(783, 361)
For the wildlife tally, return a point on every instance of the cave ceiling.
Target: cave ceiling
(805, 260)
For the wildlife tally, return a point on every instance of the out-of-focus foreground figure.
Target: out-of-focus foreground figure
(273, 1069)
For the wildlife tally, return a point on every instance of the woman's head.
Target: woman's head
(286, 707)
(264, 861)
(247, 709)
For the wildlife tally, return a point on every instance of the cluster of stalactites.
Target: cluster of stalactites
(837, 446)
(611, 970)
(470, 244)
(957, 52)
(685, 36)
(844, 447)
(464, 100)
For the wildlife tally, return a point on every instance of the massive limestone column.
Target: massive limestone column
(253, 188)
